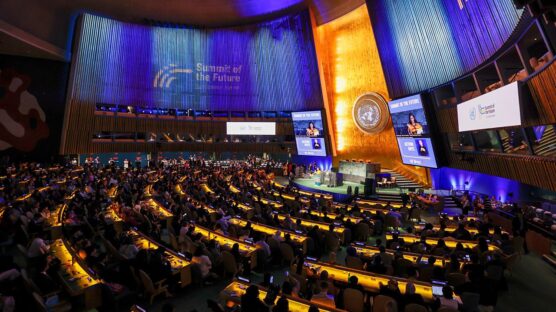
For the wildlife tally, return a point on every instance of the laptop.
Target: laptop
(437, 287)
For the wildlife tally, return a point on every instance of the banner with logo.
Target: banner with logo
(497, 109)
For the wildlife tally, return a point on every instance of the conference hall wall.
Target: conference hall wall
(270, 66)
(351, 68)
(32, 97)
(423, 44)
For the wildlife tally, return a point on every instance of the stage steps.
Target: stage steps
(450, 202)
(394, 198)
(401, 180)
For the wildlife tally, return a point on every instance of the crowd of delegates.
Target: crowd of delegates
(88, 228)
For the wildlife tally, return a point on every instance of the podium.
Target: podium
(331, 179)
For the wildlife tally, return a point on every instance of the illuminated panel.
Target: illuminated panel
(237, 289)
(74, 276)
(352, 67)
(225, 241)
(426, 43)
(331, 215)
(143, 242)
(369, 252)
(250, 128)
(451, 243)
(310, 133)
(369, 281)
(158, 209)
(265, 66)
(412, 131)
(309, 224)
(269, 230)
(450, 229)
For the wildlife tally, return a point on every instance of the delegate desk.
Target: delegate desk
(268, 202)
(370, 210)
(269, 230)
(178, 262)
(234, 189)
(368, 202)
(370, 281)
(54, 222)
(450, 242)
(206, 188)
(265, 201)
(158, 209)
(307, 193)
(112, 192)
(76, 278)
(211, 211)
(148, 192)
(308, 224)
(234, 291)
(248, 250)
(367, 252)
(290, 197)
(458, 218)
(111, 216)
(451, 229)
(331, 215)
(246, 208)
(355, 171)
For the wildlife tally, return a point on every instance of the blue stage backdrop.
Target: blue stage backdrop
(504, 189)
(425, 43)
(266, 66)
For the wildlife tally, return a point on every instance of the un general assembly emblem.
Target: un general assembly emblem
(370, 113)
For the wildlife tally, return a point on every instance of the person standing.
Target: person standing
(519, 227)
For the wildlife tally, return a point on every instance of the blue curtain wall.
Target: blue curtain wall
(266, 66)
(425, 43)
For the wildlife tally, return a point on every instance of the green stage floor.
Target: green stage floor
(339, 189)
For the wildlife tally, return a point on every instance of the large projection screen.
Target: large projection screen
(309, 133)
(412, 131)
(496, 109)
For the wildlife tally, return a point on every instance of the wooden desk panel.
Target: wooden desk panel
(236, 289)
(369, 281)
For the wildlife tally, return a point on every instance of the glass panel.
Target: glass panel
(220, 114)
(513, 141)
(124, 136)
(238, 114)
(487, 141)
(103, 107)
(461, 141)
(269, 114)
(543, 140)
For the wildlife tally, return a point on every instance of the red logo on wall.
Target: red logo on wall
(22, 121)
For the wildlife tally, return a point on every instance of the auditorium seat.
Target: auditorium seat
(354, 300)
(383, 303)
(152, 289)
(413, 307)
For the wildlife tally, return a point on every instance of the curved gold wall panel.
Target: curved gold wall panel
(351, 67)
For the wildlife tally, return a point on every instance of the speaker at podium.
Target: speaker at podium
(370, 187)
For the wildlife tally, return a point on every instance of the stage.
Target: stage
(339, 192)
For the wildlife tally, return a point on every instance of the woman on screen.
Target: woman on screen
(312, 131)
(422, 148)
(414, 127)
